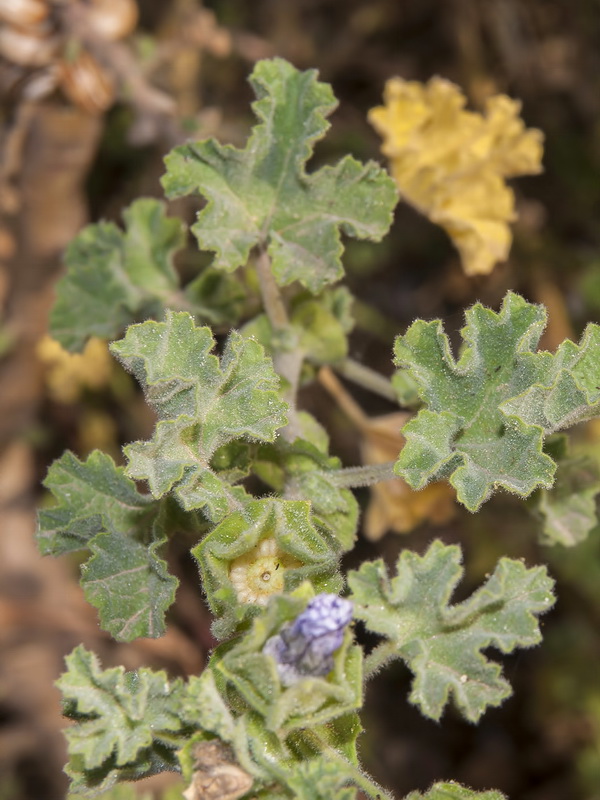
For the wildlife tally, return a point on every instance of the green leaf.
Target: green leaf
(453, 791)
(570, 389)
(202, 404)
(568, 509)
(441, 643)
(99, 508)
(322, 335)
(320, 779)
(127, 723)
(300, 552)
(114, 276)
(472, 431)
(262, 196)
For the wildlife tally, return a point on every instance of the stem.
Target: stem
(358, 777)
(271, 296)
(367, 378)
(378, 658)
(352, 477)
(287, 363)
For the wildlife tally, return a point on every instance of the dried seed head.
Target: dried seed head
(85, 83)
(112, 19)
(29, 47)
(260, 572)
(217, 776)
(24, 12)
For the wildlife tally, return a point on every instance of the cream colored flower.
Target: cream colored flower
(451, 164)
(260, 572)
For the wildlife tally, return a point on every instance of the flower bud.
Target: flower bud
(306, 646)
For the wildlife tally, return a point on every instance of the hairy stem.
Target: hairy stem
(358, 777)
(367, 378)
(352, 477)
(287, 363)
(378, 658)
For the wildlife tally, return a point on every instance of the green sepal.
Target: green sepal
(301, 469)
(453, 791)
(261, 196)
(128, 724)
(289, 523)
(442, 643)
(568, 511)
(202, 403)
(100, 509)
(115, 277)
(470, 431)
(310, 702)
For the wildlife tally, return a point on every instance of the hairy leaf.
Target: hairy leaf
(114, 276)
(487, 412)
(441, 643)
(202, 404)
(99, 508)
(127, 723)
(568, 509)
(453, 791)
(262, 196)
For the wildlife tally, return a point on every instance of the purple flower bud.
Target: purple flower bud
(306, 646)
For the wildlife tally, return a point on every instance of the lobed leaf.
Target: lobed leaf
(488, 411)
(202, 403)
(261, 196)
(453, 791)
(100, 509)
(114, 276)
(442, 643)
(568, 510)
(127, 723)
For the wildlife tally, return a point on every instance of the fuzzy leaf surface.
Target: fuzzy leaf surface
(442, 643)
(568, 510)
(487, 412)
(202, 403)
(453, 791)
(113, 276)
(262, 195)
(100, 509)
(128, 723)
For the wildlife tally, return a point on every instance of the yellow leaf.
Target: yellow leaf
(451, 164)
(68, 374)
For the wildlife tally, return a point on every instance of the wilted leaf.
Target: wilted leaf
(450, 164)
(262, 196)
(442, 643)
(202, 404)
(67, 374)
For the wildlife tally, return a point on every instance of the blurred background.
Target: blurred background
(94, 93)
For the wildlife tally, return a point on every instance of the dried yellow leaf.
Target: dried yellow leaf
(68, 374)
(394, 505)
(451, 164)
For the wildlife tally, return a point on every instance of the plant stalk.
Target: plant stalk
(287, 363)
(353, 477)
(367, 378)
